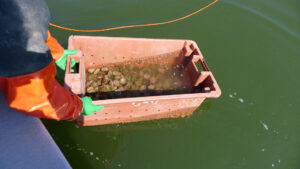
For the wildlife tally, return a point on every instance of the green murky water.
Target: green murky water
(253, 49)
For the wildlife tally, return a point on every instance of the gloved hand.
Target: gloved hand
(89, 107)
(62, 61)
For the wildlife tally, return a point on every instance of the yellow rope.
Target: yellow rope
(141, 25)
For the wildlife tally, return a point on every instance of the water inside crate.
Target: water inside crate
(130, 80)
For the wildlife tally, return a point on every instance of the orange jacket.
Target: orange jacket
(55, 48)
(39, 94)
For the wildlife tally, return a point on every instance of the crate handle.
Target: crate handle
(200, 59)
(70, 58)
(199, 75)
(75, 81)
(190, 49)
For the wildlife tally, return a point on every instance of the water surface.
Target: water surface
(252, 48)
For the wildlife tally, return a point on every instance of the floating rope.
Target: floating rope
(133, 26)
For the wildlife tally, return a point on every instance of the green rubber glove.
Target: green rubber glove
(62, 61)
(89, 107)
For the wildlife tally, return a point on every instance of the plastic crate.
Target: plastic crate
(99, 51)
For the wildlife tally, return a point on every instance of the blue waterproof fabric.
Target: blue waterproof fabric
(25, 143)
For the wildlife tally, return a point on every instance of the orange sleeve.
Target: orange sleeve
(55, 48)
(39, 94)
(2, 84)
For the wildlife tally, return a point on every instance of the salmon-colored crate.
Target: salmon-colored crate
(100, 51)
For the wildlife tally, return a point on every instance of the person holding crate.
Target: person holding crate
(28, 61)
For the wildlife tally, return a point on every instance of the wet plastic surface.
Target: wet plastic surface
(106, 51)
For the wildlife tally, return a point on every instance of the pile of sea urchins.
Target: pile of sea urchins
(126, 79)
